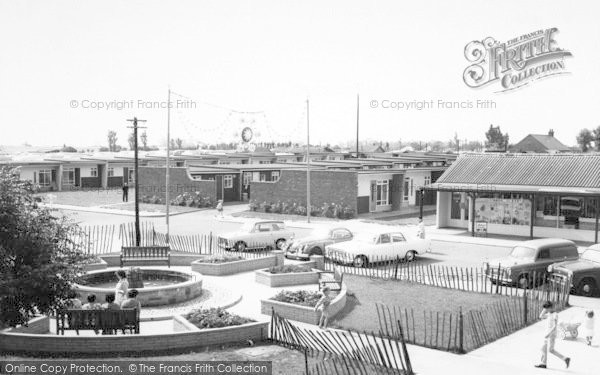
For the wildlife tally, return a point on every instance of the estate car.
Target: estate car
(585, 272)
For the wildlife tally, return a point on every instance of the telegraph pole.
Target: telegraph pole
(307, 164)
(357, 121)
(137, 202)
(167, 175)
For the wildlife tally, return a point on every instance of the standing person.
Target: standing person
(125, 192)
(588, 326)
(121, 287)
(421, 229)
(323, 306)
(549, 339)
(220, 207)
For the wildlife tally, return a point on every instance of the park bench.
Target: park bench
(107, 321)
(331, 277)
(134, 254)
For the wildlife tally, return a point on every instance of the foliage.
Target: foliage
(38, 256)
(584, 139)
(112, 141)
(215, 318)
(495, 140)
(331, 210)
(194, 199)
(222, 258)
(298, 297)
(289, 268)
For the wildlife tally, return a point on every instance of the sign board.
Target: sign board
(481, 228)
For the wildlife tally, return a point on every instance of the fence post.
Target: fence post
(396, 268)
(461, 328)
(306, 361)
(210, 240)
(525, 307)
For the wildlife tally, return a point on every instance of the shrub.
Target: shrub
(222, 258)
(215, 318)
(290, 268)
(298, 297)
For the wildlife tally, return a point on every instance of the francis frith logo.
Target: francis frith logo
(514, 63)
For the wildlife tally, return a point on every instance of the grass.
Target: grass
(285, 361)
(360, 312)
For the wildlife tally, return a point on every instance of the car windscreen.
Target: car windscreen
(591, 255)
(522, 252)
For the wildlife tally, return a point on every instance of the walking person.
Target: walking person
(588, 326)
(121, 287)
(549, 313)
(323, 306)
(220, 207)
(125, 192)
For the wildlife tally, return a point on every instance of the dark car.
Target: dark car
(585, 272)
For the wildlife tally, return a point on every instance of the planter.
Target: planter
(244, 265)
(303, 313)
(186, 336)
(286, 279)
(100, 265)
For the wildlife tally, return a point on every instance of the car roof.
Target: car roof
(545, 242)
(268, 222)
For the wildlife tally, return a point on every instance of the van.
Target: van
(530, 258)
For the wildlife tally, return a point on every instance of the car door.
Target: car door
(542, 261)
(400, 245)
(382, 249)
(262, 234)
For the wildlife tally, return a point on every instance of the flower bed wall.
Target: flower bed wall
(100, 265)
(303, 313)
(287, 279)
(186, 336)
(245, 265)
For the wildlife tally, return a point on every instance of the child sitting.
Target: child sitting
(131, 302)
(91, 303)
(588, 326)
(323, 306)
(110, 303)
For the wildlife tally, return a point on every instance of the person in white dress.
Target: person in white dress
(588, 326)
(121, 287)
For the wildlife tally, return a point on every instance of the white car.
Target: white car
(257, 235)
(377, 247)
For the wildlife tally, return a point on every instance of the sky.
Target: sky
(70, 71)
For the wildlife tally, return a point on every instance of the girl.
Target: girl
(121, 287)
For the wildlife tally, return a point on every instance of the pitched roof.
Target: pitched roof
(540, 142)
(546, 170)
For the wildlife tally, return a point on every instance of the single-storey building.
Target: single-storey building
(533, 195)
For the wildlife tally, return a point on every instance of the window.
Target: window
(455, 206)
(274, 175)
(383, 194)
(406, 188)
(68, 176)
(264, 162)
(384, 238)
(427, 181)
(264, 227)
(247, 178)
(131, 176)
(228, 181)
(263, 177)
(398, 237)
(340, 234)
(111, 172)
(94, 171)
(45, 177)
(544, 254)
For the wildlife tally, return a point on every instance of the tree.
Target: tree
(179, 142)
(144, 139)
(38, 258)
(596, 134)
(112, 141)
(495, 139)
(584, 139)
(131, 141)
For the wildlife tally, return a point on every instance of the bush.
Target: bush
(290, 268)
(222, 258)
(215, 318)
(298, 297)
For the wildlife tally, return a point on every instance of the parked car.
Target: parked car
(528, 258)
(379, 247)
(258, 235)
(316, 242)
(585, 272)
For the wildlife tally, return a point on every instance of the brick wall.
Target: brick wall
(285, 279)
(230, 268)
(152, 182)
(325, 187)
(38, 343)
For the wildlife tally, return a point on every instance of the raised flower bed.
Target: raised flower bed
(287, 275)
(299, 305)
(220, 266)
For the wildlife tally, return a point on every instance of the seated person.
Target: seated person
(91, 303)
(110, 302)
(73, 302)
(131, 302)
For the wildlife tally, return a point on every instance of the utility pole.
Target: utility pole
(307, 163)
(357, 120)
(167, 195)
(137, 186)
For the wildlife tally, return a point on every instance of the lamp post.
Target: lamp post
(137, 202)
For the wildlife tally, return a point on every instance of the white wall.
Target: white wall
(417, 180)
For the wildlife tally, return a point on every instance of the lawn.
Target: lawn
(285, 361)
(414, 302)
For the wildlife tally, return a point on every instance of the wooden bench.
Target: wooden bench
(133, 254)
(98, 320)
(331, 277)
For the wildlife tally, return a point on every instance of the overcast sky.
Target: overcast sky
(58, 57)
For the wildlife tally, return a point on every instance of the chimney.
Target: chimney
(551, 132)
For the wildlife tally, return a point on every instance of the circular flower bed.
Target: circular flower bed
(215, 318)
(298, 297)
(290, 268)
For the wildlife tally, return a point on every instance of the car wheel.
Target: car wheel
(280, 243)
(240, 246)
(360, 261)
(587, 288)
(315, 251)
(410, 256)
